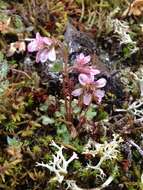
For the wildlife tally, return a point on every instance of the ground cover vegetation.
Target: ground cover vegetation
(71, 94)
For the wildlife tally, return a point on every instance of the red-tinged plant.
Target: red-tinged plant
(90, 89)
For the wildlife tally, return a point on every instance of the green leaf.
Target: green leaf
(57, 67)
(75, 107)
(3, 5)
(102, 115)
(58, 114)
(47, 120)
(43, 107)
(1, 56)
(10, 126)
(3, 69)
(91, 113)
(18, 23)
(13, 141)
(3, 86)
(63, 133)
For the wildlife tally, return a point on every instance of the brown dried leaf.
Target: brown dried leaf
(135, 8)
(15, 152)
(4, 26)
(16, 47)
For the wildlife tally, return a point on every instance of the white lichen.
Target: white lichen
(59, 164)
(136, 109)
(106, 151)
(122, 29)
(73, 186)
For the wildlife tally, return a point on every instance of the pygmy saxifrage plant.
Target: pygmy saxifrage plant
(89, 90)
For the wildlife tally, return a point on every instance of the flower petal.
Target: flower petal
(85, 79)
(100, 83)
(52, 54)
(42, 56)
(94, 71)
(40, 41)
(99, 94)
(80, 56)
(87, 59)
(77, 92)
(47, 41)
(38, 57)
(38, 36)
(87, 99)
(32, 46)
(82, 60)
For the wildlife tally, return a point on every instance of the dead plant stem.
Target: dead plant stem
(22, 72)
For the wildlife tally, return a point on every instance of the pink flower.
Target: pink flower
(81, 66)
(82, 60)
(44, 47)
(44, 55)
(91, 89)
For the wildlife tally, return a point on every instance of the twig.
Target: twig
(19, 71)
(82, 11)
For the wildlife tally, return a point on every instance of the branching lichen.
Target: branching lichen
(135, 109)
(122, 29)
(106, 151)
(59, 164)
(73, 186)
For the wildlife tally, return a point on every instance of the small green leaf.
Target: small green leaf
(91, 113)
(18, 23)
(13, 141)
(57, 67)
(3, 4)
(3, 69)
(1, 56)
(3, 86)
(63, 133)
(102, 115)
(47, 120)
(43, 107)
